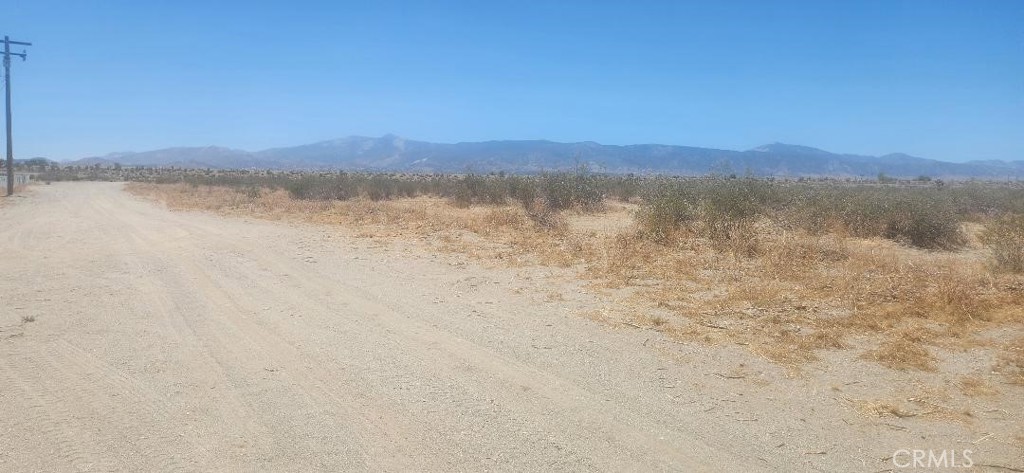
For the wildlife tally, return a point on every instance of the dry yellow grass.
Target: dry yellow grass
(974, 386)
(786, 294)
(911, 407)
(903, 353)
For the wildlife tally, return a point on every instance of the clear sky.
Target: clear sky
(936, 79)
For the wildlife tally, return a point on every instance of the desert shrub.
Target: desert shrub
(1005, 237)
(622, 188)
(738, 199)
(718, 209)
(308, 187)
(724, 209)
(378, 187)
(729, 206)
(916, 217)
(523, 190)
(543, 216)
(977, 201)
(301, 188)
(578, 190)
(924, 225)
(474, 190)
(252, 192)
(665, 209)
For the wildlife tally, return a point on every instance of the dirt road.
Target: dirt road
(176, 341)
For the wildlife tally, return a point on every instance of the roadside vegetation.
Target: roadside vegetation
(901, 271)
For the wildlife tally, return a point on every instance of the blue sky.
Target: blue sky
(936, 79)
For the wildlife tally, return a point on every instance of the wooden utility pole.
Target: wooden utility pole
(7, 84)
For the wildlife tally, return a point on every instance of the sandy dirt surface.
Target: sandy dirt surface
(133, 338)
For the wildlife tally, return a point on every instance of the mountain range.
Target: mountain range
(392, 153)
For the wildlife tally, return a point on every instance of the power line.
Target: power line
(7, 84)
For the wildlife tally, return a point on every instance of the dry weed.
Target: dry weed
(902, 354)
(974, 386)
(911, 407)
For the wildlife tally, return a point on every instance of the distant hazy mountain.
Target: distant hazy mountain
(204, 157)
(393, 153)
